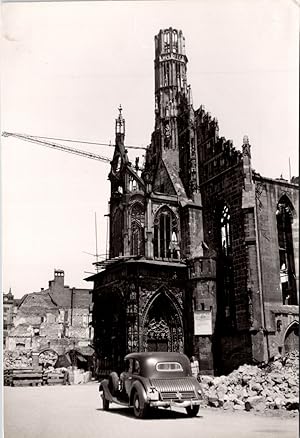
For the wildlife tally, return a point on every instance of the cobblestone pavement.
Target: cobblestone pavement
(76, 412)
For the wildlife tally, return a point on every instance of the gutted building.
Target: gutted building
(203, 253)
(56, 319)
(9, 308)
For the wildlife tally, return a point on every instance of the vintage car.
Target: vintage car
(153, 379)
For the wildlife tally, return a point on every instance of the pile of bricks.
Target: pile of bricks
(274, 386)
(17, 359)
(48, 358)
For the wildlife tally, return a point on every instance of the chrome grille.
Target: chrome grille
(185, 395)
(171, 388)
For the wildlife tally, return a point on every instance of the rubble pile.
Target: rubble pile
(17, 359)
(48, 358)
(251, 387)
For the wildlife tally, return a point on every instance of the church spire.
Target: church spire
(120, 122)
(170, 79)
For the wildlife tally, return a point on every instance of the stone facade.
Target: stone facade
(56, 319)
(203, 250)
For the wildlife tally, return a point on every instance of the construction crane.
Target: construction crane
(43, 142)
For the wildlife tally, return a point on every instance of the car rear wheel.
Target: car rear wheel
(140, 410)
(192, 411)
(105, 403)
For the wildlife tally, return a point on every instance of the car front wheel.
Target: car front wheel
(192, 411)
(139, 409)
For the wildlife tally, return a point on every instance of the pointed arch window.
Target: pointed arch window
(175, 42)
(116, 235)
(226, 282)
(166, 235)
(137, 244)
(284, 217)
(167, 41)
(225, 231)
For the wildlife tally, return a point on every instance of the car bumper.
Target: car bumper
(175, 403)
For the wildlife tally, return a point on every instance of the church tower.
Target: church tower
(170, 80)
(173, 139)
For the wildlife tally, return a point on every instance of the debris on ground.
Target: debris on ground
(274, 386)
(22, 360)
(17, 359)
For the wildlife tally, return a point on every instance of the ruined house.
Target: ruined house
(9, 307)
(56, 319)
(204, 251)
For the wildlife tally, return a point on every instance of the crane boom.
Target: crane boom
(52, 145)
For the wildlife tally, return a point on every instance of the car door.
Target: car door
(128, 376)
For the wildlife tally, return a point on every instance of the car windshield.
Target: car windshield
(169, 366)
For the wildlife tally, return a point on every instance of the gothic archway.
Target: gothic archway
(162, 328)
(291, 339)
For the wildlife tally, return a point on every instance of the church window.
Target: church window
(116, 233)
(137, 230)
(225, 231)
(166, 242)
(166, 74)
(284, 217)
(175, 42)
(167, 41)
(133, 185)
(178, 75)
(226, 266)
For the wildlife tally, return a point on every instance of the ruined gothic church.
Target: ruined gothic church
(203, 254)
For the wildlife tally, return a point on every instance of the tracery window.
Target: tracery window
(226, 266)
(225, 231)
(284, 216)
(137, 245)
(166, 236)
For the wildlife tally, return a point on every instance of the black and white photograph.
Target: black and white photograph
(150, 218)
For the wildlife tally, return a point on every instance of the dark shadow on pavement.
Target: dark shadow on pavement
(154, 414)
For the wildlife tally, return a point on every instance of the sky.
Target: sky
(67, 66)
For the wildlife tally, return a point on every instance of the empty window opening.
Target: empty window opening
(166, 242)
(284, 217)
(226, 283)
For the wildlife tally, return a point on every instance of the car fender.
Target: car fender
(139, 388)
(104, 387)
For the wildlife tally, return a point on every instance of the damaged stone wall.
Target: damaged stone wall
(56, 318)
